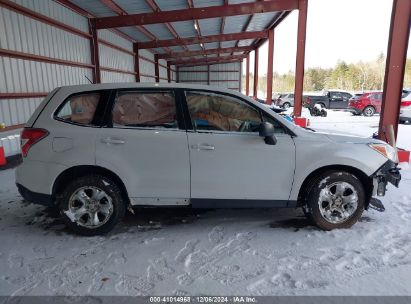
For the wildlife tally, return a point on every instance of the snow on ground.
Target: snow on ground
(224, 252)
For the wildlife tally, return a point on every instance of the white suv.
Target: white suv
(95, 151)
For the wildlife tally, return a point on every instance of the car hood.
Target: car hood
(345, 138)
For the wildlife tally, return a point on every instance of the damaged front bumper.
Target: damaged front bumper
(388, 173)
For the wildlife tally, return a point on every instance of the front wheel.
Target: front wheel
(368, 111)
(286, 105)
(92, 205)
(336, 200)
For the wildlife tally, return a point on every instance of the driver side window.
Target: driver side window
(210, 111)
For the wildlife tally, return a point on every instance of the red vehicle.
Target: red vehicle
(367, 104)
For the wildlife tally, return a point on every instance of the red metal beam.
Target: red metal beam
(269, 99)
(245, 27)
(136, 62)
(197, 13)
(222, 25)
(75, 8)
(255, 84)
(299, 65)
(25, 56)
(207, 60)
(247, 75)
(23, 95)
(156, 68)
(86, 14)
(34, 15)
(203, 39)
(205, 52)
(274, 23)
(210, 62)
(108, 69)
(115, 46)
(95, 55)
(394, 69)
(122, 14)
(197, 24)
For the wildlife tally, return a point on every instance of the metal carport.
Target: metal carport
(51, 43)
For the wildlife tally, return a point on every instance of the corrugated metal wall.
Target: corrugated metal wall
(116, 59)
(226, 75)
(146, 66)
(27, 35)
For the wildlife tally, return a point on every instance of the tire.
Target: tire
(286, 105)
(319, 211)
(99, 215)
(368, 111)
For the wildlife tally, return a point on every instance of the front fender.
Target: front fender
(312, 155)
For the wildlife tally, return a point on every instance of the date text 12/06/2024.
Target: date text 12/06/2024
(202, 299)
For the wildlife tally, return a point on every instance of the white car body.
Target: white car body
(175, 167)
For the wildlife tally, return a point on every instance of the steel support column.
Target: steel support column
(247, 75)
(394, 68)
(255, 84)
(269, 98)
(95, 56)
(168, 72)
(299, 65)
(136, 62)
(156, 68)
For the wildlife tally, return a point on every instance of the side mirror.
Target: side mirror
(266, 130)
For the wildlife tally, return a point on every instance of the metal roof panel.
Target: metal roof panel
(171, 5)
(210, 26)
(235, 24)
(184, 28)
(159, 30)
(205, 3)
(95, 8)
(133, 6)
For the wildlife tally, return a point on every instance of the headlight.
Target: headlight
(386, 150)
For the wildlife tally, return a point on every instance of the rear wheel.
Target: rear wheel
(368, 111)
(336, 200)
(286, 105)
(92, 205)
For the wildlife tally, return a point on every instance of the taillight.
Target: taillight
(29, 137)
(405, 103)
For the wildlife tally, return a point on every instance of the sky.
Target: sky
(349, 30)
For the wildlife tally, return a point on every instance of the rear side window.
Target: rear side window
(145, 110)
(79, 109)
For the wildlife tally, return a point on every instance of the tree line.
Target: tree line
(358, 77)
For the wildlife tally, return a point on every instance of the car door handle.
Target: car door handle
(113, 141)
(202, 147)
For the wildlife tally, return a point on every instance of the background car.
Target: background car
(405, 110)
(331, 100)
(367, 104)
(285, 100)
